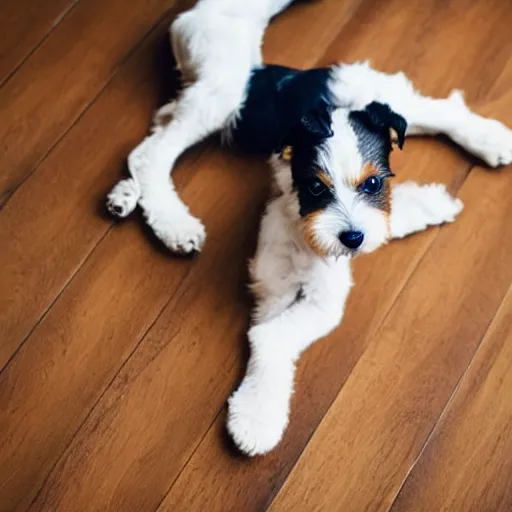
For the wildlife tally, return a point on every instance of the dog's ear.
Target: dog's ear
(313, 127)
(380, 118)
(316, 125)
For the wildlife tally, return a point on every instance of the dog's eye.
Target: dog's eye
(316, 187)
(372, 185)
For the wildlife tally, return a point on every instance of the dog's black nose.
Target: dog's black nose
(351, 239)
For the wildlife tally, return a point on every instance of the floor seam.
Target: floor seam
(55, 24)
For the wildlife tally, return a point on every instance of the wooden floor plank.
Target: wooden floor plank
(467, 464)
(58, 360)
(63, 76)
(213, 477)
(24, 24)
(379, 422)
(190, 361)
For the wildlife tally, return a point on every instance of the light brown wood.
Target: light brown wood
(25, 24)
(117, 358)
(467, 463)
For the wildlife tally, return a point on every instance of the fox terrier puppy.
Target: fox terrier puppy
(329, 133)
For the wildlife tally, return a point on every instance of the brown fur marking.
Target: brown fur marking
(309, 233)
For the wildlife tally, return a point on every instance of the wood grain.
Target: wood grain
(400, 386)
(24, 25)
(467, 463)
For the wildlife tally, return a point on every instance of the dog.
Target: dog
(329, 133)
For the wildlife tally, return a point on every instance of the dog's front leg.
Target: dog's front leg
(415, 207)
(259, 409)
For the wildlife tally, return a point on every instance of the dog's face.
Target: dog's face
(339, 186)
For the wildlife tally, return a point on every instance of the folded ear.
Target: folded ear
(313, 127)
(379, 117)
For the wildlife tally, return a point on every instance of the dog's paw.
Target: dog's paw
(254, 422)
(122, 199)
(438, 205)
(415, 207)
(491, 142)
(180, 232)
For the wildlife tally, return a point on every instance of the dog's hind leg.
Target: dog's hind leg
(356, 85)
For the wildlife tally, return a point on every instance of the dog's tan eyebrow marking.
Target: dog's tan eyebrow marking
(368, 170)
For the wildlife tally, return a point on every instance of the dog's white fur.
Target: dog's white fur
(300, 296)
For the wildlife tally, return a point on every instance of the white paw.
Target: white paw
(256, 421)
(438, 205)
(415, 207)
(491, 141)
(122, 199)
(181, 232)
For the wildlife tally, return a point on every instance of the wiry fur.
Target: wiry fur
(300, 274)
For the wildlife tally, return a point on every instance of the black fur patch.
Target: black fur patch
(372, 127)
(284, 106)
(304, 171)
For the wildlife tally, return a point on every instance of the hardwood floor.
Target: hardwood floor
(116, 359)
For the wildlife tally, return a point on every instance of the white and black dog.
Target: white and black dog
(329, 133)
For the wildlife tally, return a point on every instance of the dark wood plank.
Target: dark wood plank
(100, 318)
(375, 429)
(213, 477)
(191, 359)
(63, 77)
(24, 25)
(467, 464)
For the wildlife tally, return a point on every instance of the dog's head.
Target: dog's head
(336, 173)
